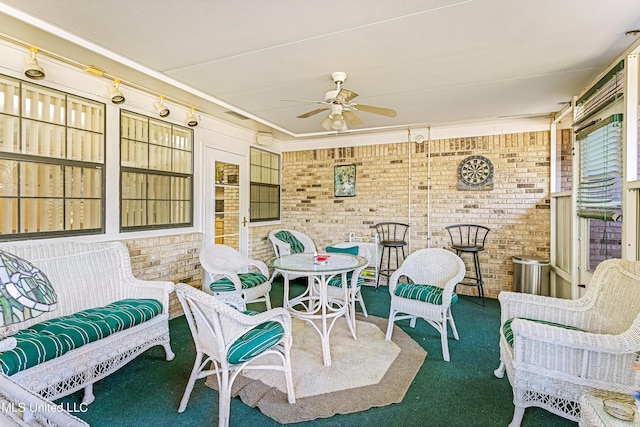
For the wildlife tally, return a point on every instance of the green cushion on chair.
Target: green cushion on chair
(53, 338)
(353, 250)
(337, 280)
(288, 237)
(427, 293)
(248, 280)
(254, 342)
(508, 333)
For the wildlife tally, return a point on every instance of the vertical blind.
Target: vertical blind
(600, 187)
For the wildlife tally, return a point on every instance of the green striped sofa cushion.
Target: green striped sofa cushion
(53, 338)
(288, 237)
(508, 332)
(427, 293)
(248, 280)
(255, 341)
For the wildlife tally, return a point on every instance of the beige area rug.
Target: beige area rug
(365, 373)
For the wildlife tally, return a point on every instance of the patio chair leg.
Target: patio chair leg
(392, 316)
(288, 376)
(444, 340)
(224, 402)
(499, 373)
(192, 380)
(453, 326)
(362, 306)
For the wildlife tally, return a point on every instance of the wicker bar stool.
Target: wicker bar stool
(469, 238)
(392, 235)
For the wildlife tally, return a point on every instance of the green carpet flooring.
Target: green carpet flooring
(463, 392)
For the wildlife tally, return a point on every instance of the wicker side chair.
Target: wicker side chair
(233, 276)
(556, 350)
(229, 341)
(432, 274)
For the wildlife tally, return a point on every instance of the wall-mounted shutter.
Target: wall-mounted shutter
(600, 187)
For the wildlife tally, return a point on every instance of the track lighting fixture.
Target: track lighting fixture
(31, 67)
(163, 110)
(116, 96)
(192, 119)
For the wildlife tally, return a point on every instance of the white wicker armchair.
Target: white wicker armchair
(551, 366)
(217, 328)
(280, 247)
(433, 272)
(223, 264)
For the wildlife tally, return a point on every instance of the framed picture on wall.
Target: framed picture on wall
(344, 181)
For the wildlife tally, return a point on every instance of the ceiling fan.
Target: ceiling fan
(341, 109)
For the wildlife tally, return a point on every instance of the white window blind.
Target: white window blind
(600, 187)
(265, 186)
(156, 165)
(607, 90)
(52, 162)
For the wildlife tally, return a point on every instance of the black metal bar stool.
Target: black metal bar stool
(469, 238)
(392, 235)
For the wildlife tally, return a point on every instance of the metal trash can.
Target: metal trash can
(531, 275)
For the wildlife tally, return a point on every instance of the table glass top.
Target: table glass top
(305, 263)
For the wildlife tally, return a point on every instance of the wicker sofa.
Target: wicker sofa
(555, 350)
(87, 277)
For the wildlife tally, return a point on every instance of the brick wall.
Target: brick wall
(392, 185)
(173, 258)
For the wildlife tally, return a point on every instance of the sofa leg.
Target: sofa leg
(168, 352)
(88, 395)
(500, 371)
(518, 413)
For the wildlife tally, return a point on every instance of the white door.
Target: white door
(226, 211)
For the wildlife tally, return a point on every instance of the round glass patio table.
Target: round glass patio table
(316, 305)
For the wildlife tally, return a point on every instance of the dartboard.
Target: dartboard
(475, 170)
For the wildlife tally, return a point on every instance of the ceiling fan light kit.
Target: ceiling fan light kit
(341, 111)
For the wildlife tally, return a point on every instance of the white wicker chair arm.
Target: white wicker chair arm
(159, 290)
(558, 310)
(395, 277)
(580, 358)
(284, 248)
(260, 266)
(239, 323)
(627, 342)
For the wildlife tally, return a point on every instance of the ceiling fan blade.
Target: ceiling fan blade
(312, 113)
(308, 101)
(345, 95)
(375, 110)
(352, 118)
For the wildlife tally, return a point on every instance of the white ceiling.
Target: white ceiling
(434, 61)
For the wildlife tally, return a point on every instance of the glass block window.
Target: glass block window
(156, 165)
(51, 162)
(265, 186)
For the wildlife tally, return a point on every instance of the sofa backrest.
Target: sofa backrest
(84, 275)
(613, 297)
